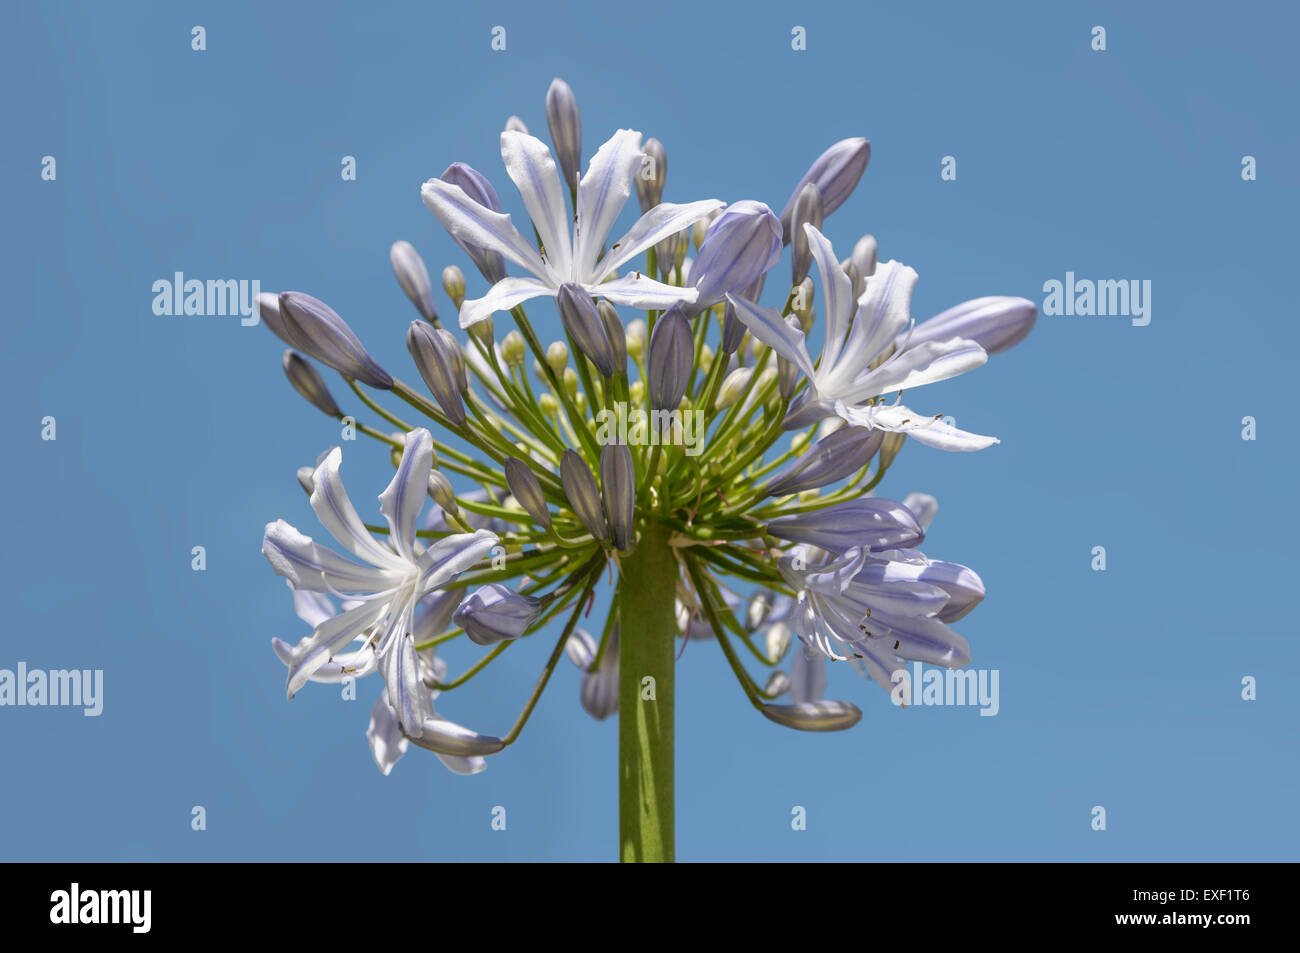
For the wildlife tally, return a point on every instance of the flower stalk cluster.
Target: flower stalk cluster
(734, 501)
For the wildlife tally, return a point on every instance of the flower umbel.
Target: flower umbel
(696, 456)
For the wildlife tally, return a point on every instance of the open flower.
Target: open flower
(574, 258)
(383, 595)
(857, 362)
(880, 607)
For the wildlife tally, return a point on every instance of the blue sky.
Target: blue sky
(1119, 688)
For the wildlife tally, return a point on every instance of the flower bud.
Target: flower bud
(316, 329)
(571, 383)
(864, 258)
(671, 251)
(759, 608)
(777, 641)
(832, 458)
(448, 738)
(835, 173)
(307, 479)
(636, 391)
(599, 689)
(438, 369)
(994, 323)
(547, 404)
(513, 348)
(526, 489)
(651, 175)
(476, 185)
(923, 507)
(870, 522)
(483, 332)
(442, 493)
(582, 321)
(698, 231)
(557, 355)
(889, 447)
(733, 387)
(411, 274)
(566, 130)
(615, 336)
(741, 244)
(451, 347)
(706, 358)
(808, 210)
(306, 380)
(787, 372)
(635, 339)
(618, 491)
(495, 613)
(778, 683)
(733, 329)
(515, 124)
(582, 494)
(801, 305)
(672, 351)
(815, 716)
(453, 282)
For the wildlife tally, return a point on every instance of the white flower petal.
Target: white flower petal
(654, 226)
(387, 743)
(927, 363)
(310, 566)
(771, 328)
(475, 224)
(837, 295)
(927, 430)
(404, 498)
(330, 637)
(502, 296)
(642, 292)
(534, 172)
(601, 196)
(336, 513)
(882, 312)
(460, 765)
(450, 556)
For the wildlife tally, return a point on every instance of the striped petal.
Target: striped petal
(768, 325)
(330, 637)
(471, 223)
(336, 513)
(309, 566)
(530, 165)
(601, 196)
(654, 226)
(502, 296)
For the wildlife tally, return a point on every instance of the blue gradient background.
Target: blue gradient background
(1119, 688)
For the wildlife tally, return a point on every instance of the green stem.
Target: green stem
(647, 636)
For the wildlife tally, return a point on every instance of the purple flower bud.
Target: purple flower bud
(671, 251)
(871, 522)
(994, 323)
(835, 173)
(651, 175)
(474, 184)
(733, 329)
(614, 334)
(599, 689)
(787, 372)
(438, 369)
(580, 489)
(582, 320)
(668, 362)
(832, 458)
(808, 210)
(495, 613)
(815, 716)
(411, 274)
(566, 130)
(314, 328)
(739, 247)
(515, 124)
(618, 490)
(525, 488)
(864, 256)
(306, 380)
(445, 737)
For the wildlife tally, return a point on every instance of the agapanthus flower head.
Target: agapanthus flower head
(653, 454)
